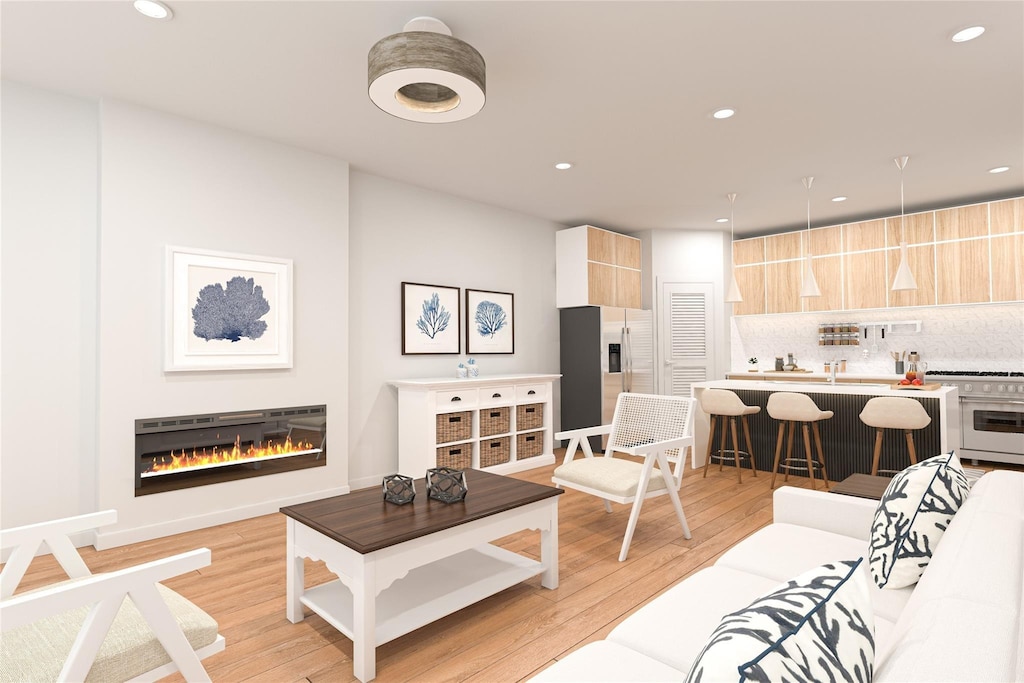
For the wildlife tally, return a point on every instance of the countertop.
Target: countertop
(798, 376)
(817, 386)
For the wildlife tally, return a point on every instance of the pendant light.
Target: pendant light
(733, 296)
(904, 280)
(810, 285)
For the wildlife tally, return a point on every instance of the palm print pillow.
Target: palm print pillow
(915, 510)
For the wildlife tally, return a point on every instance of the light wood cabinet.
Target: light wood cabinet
(1006, 216)
(826, 241)
(748, 252)
(1008, 267)
(751, 282)
(788, 245)
(963, 272)
(782, 291)
(961, 222)
(596, 267)
(829, 276)
(864, 236)
(919, 228)
(864, 279)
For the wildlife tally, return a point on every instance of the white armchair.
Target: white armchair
(85, 628)
(656, 428)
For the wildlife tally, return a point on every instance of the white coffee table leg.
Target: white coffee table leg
(364, 614)
(295, 577)
(549, 549)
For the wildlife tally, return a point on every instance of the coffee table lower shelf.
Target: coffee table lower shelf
(426, 593)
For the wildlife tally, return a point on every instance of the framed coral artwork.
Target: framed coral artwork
(227, 311)
(490, 322)
(430, 319)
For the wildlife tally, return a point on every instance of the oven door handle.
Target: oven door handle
(995, 401)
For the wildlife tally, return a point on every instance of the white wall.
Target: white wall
(401, 233)
(48, 358)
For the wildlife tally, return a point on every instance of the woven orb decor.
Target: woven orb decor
(399, 489)
(446, 485)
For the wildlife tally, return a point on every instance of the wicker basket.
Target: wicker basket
(493, 421)
(529, 445)
(456, 457)
(530, 416)
(495, 451)
(454, 426)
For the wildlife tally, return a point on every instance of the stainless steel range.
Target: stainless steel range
(991, 412)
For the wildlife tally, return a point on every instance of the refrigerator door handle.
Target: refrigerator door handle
(629, 361)
(625, 359)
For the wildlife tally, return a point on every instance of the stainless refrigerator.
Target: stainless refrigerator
(605, 350)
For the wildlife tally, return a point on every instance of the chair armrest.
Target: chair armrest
(584, 431)
(10, 538)
(655, 446)
(839, 514)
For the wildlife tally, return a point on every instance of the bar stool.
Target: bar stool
(789, 408)
(890, 412)
(722, 403)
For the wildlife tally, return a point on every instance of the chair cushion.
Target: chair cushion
(912, 515)
(37, 651)
(818, 626)
(615, 476)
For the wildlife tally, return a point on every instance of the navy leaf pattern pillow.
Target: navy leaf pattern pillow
(912, 515)
(816, 627)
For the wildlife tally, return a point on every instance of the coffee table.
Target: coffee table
(863, 486)
(400, 567)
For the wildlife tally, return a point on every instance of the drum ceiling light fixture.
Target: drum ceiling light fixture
(424, 74)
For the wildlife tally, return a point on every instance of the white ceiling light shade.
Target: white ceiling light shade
(840, 198)
(904, 280)
(563, 165)
(153, 9)
(725, 113)
(809, 287)
(999, 169)
(733, 296)
(423, 74)
(963, 35)
(721, 220)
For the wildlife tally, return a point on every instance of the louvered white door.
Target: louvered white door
(688, 336)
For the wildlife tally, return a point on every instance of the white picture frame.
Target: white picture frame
(226, 311)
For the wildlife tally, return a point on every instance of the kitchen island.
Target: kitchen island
(847, 442)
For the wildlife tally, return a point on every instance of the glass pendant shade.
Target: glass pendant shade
(733, 296)
(904, 278)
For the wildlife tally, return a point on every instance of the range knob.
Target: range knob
(1001, 388)
(987, 387)
(968, 387)
(1011, 388)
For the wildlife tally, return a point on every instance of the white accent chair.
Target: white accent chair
(656, 428)
(117, 626)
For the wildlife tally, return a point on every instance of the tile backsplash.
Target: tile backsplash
(986, 337)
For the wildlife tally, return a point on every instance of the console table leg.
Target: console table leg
(295, 577)
(364, 615)
(549, 550)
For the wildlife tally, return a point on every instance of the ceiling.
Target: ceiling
(624, 90)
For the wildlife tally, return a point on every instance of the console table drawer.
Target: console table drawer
(533, 392)
(456, 400)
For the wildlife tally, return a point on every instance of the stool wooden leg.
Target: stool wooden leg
(910, 447)
(736, 450)
(808, 453)
(821, 453)
(721, 445)
(878, 453)
(750, 447)
(789, 449)
(711, 440)
(778, 453)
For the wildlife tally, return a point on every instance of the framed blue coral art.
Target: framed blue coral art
(490, 322)
(430, 319)
(227, 311)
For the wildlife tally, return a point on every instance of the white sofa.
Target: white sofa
(960, 622)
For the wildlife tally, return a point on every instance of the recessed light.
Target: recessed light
(840, 198)
(999, 169)
(966, 34)
(724, 113)
(153, 9)
(721, 220)
(563, 165)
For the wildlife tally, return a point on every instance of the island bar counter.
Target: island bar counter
(847, 442)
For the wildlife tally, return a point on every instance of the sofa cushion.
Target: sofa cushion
(817, 626)
(604, 661)
(912, 515)
(616, 476)
(781, 551)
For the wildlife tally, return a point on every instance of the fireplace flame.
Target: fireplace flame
(211, 457)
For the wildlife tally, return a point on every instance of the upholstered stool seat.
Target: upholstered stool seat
(892, 412)
(790, 408)
(722, 403)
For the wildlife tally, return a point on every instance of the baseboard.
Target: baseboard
(367, 482)
(113, 539)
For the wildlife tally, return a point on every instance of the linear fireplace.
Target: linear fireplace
(173, 453)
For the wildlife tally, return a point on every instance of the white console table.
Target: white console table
(422, 401)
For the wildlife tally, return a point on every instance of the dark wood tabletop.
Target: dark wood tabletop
(862, 486)
(364, 522)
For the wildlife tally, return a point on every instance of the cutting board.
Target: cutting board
(927, 386)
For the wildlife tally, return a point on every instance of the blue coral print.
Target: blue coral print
(230, 312)
(490, 318)
(435, 318)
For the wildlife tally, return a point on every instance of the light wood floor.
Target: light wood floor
(507, 637)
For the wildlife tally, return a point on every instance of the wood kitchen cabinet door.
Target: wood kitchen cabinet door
(918, 227)
(826, 241)
(1006, 216)
(788, 245)
(922, 265)
(627, 251)
(601, 284)
(963, 272)
(961, 222)
(864, 235)
(1008, 267)
(865, 278)
(751, 282)
(627, 288)
(748, 252)
(828, 275)
(600, 246)
(782, 286)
